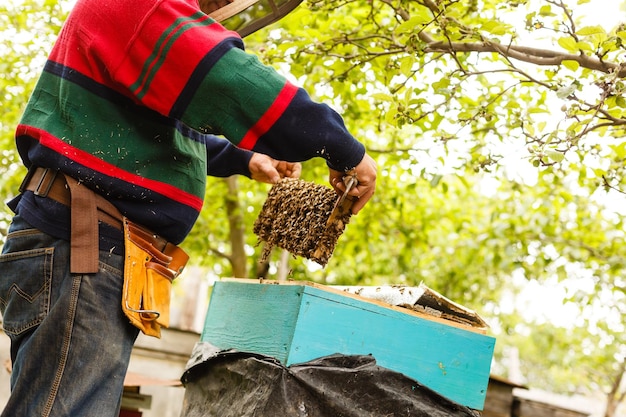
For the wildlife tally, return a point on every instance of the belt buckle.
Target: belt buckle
(27, 178)
(46, 187)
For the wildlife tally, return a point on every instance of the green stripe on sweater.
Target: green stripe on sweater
(230, 101)
(119, 136)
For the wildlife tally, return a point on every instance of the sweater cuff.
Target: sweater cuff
(225, 159)
(347, 159)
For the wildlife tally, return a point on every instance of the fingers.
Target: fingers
(266, 169)
(288, 169)
(335, 178)
(296, 170)
(365, 173)
(262, 169)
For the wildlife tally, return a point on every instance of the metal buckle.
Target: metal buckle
(48, 186)
(26, 180)
(46, 175)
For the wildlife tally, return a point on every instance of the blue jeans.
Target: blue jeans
(70, 340)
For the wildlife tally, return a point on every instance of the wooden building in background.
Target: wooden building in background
(503, 400)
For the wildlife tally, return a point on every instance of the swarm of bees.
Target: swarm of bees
(296, 216)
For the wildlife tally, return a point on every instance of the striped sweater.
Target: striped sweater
(130, 101)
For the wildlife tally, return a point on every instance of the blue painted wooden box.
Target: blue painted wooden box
(296, 321)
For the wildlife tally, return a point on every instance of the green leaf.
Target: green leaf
(415, 22)
(383, 97)
(568, 43)
(620, 150)
(546, 10)
(570, 64)
(390, 116)
(406, 65)
(541, 126)
(611, 101)
(536, 110)
(494, 27)
(590, 30)
(566, 91)
(441, 84)
(584, 46)
(555, 156)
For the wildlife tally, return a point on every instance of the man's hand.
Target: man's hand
(266, 169)
(365, 173)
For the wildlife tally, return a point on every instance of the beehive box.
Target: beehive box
(296, 321)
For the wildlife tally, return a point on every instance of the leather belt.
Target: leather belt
(51, 183)
(86, 209)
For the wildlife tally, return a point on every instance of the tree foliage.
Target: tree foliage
(498, 127)
(499, 130)
(462, 71)
(27, 29)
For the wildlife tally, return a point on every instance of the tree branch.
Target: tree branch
(220, 254)
(606, 184)
(537, 56)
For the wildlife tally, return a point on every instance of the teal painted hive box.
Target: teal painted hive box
(296, 322)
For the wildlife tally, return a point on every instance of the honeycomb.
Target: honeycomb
(296, 216)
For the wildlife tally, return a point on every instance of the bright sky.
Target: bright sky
(607, 13)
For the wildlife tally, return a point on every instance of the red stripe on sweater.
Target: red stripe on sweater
(88, 160)
(270, 117)
(180, 62)
(180, 30)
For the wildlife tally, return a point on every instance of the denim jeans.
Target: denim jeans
(70, 340)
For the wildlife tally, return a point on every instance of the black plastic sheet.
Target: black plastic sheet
(239, 384)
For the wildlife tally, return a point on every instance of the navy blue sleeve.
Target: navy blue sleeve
(225, 159)
(308, 129)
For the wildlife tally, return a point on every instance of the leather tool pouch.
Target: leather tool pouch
(149, 271)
